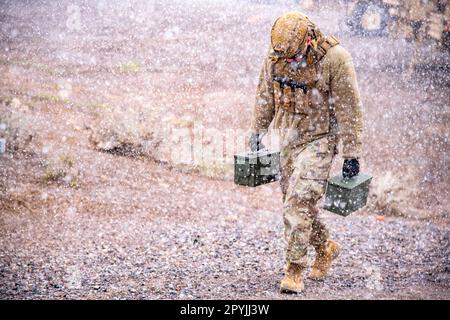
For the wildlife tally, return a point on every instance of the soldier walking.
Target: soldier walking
(307, 88)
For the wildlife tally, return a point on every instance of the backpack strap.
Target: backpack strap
(325, 45)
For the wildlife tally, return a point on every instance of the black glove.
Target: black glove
(255, 142)
(350, 168)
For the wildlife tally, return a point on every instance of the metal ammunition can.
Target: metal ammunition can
(256, 168)
(346, 195)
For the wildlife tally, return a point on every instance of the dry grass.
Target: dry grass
(62, 170)
(394, 195)
(128, 68)
(138, 133)
(15, 202)
(123, 131)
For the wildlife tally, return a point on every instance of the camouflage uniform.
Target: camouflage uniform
(310, 124)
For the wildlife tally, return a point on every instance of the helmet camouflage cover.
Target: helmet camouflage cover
(289, 33)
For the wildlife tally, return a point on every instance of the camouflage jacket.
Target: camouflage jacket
(329, 104)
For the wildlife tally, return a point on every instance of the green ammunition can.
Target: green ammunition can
(256, 168)
(346, 195)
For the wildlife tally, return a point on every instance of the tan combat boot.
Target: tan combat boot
(293, 279)
(324, 256)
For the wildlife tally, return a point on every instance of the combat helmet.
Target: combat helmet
(291, 32)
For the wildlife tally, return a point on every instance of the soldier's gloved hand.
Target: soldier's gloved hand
(255, 142)
(350, 168)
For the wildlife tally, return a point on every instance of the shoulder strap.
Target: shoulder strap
(326, 44)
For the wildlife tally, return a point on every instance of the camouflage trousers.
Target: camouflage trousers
(304, 173)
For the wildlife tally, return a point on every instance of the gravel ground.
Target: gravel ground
(136, 229)
(229, 249)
